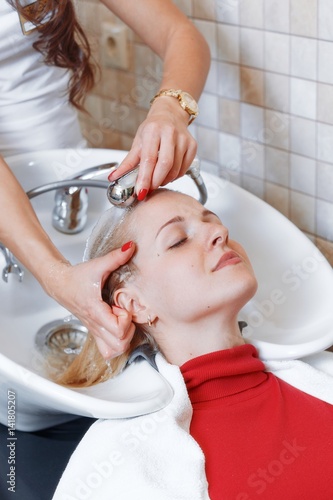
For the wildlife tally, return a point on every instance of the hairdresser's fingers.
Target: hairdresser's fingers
(148, 137)
(177, 149)
(79, 289)
(111, 335)
(125, 324)
(184, 155)
(176, 144)
(145, 154)
(113, 345)
(131, 161)
(91, 309)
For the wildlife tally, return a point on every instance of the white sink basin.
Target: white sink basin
(291, 315)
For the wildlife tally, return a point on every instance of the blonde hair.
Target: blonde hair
(89, 367)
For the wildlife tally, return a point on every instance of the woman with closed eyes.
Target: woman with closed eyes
(239, 431)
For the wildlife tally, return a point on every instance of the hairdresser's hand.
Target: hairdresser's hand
(78, 288)
(163, 147)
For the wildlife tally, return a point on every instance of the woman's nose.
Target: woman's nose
(219, 235)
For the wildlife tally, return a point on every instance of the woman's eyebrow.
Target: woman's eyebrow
(178, 218)
(209, 212)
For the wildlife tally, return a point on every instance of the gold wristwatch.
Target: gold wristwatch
(187, 102)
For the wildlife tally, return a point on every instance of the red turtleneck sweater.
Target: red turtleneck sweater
(262, 438)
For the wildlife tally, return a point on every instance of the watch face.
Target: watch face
(189, 102)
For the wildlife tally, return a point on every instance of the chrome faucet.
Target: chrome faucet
(71, 203)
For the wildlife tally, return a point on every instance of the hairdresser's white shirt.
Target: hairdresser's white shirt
(34, 109)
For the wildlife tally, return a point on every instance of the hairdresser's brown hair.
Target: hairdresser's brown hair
(62, 43)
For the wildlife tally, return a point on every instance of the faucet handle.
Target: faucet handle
(11, 265)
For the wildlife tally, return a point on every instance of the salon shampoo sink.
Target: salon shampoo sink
(290, 316)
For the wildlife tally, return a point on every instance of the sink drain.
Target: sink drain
(62, 336)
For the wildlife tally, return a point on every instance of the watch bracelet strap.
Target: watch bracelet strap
(174, 93)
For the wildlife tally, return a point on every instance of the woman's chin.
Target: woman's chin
(247, 291)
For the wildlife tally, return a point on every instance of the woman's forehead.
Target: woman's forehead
(151, 214)
(162, 203)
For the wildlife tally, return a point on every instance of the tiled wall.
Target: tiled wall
(266, 114)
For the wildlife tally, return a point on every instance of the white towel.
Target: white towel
(312, 374)
(153, 457)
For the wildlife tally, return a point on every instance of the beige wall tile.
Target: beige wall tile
(278, 197)
(325, 181)
(209, 109)
(276, 131)
(303, 136)
(303, 98)
(228, 84)
(251, 13)
(227, 11)
(277, 89)
(252, 122)
(253, 159)
(228, 43)
(303, 211)
(325, 103)
(325, 220)
(252, 47)
(277, 52)
(252, 86)
(304, 57)
(253, 185)
(325, 66)
(277, 166)
(325, 13)
(229, 151)
(277, 15)
(303, 17)
(229, 113)
(325, 142)
(208, 144)
(303, 174)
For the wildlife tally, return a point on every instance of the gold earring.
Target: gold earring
(149, 320)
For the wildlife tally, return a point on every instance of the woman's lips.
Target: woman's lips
(228, 258)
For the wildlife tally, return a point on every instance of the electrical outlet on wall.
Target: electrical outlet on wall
(114, 50)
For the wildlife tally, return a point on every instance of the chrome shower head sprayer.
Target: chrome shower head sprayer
(121, 192)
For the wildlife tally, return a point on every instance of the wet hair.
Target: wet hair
(63, 43)
(89, 367)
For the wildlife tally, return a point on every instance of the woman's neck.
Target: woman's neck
(181, 344)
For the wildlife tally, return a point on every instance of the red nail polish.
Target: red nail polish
(126, 246)
(142, 194)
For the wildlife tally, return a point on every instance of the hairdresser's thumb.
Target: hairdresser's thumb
(119, 256)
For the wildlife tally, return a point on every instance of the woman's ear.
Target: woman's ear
(128, 299)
